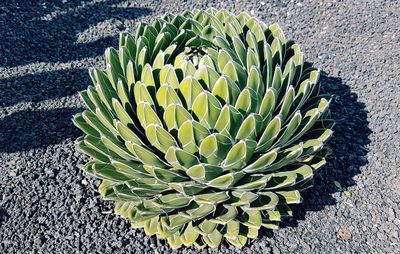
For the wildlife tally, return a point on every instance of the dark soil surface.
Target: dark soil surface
(47, 204)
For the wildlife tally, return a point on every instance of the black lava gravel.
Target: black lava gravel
(47, 205)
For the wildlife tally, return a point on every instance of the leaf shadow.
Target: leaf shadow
(42, 86)
(31, 129)
(48, 33)
(348, 145)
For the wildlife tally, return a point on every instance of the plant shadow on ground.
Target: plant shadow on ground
(26, 130)
(28, 38)
(33, 39)
(3, 215)
(42, 86)
(348, 145)
(47, 31)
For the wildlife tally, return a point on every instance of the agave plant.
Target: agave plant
(204, 126)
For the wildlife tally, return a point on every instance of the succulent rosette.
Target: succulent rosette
(204, 126)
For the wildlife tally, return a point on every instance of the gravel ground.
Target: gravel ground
(47, 205)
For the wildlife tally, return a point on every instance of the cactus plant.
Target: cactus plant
(204, 126)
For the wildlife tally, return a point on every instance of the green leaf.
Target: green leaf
(224, 215)
(226, 90)
(211, 197)
(214, 148)
(281, 180)
(287, 103)
(347, 193)
(99, 156)
(242, 198)
(309, 118)
(229, 121)
(262, 162)
(107, 171)
(268, 66)
(289, 130)
(190, 88)
(126, 133)
(213, 239)
(252, 42)
(173, 200)
(147, 115)
(175, 115)
(240, 50)
(187, 187)
(150, 226)
(207, 62)
(254, 80)
(118, 148)
(168, 75)
(142, 58)
(96, 124)
(269, 135)
(104, 88)
(85, 97)
(147, 184)
(130, 45)
(130, 168)
(288, 74)
(223, 59)
(196, 211)
(207, 108)
(124, 58)
(252, 59)
(159, 62)
(122, 115)
(105, 120)
(290, 197)
(167, 175)
(266, 201)
(147, 77)
(253, 219)
(247, 102)
(160, 138)
(186, 68)
(130, 75)
(285, 157)
(239, 155)
(206, 227)
(232, 229)
(80, 122)
(250, 127)
(146, 156)
(236, 73)
(166, 96)
(277, 79)
(204, 172)
(112, 59)
(224, 182)
(179, 159)
(209, 32)
(142, 93)
(189, 236)
(256, 28)
(206, 76)
(190, 135)
(267, 105)
(338, 186)
(252, 182)
(123, 95)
